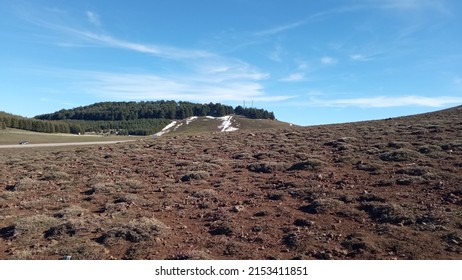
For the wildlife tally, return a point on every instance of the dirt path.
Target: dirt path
(62, 144)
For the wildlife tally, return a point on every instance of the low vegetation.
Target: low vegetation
(370, 190)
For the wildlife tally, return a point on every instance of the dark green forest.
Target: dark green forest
(122, 111)
(14, 121)
(133, 118)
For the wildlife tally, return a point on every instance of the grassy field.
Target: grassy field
(14, 136)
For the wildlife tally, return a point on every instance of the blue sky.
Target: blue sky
(311, 62)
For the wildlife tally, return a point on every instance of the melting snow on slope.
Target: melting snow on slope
(227, 125)
(166, 129)
(189, 120)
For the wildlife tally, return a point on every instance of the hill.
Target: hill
(194, 125)
(143, 118)
(387, 189)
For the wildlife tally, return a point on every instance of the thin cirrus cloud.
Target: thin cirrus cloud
(327, 60)
(152, 49)
(93, 18)
(294, 77)
(204, 76)
(388, 101)
(359, 57)
(149, 86)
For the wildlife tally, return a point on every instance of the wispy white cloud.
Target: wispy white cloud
(181, 87)
(409, 5)
(328, 60)
(281, 28)
(359, 57)
(152, 49)
(294, 77)
(93, 18)
(388, 101)
(276, 53)
(188, 74)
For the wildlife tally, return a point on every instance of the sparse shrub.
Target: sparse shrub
(28, 225)
(346, 159)
(370, 197)
(72, 211)
(356, 244)
(428, 149)
(25, 184)
(275, 196)
(453, 238)
(367, 167)
(81, 250)
(110, 208)
(397, 144)
(404, 181)
(385, 182)
(242, 155)
(291, 240)
(399, 155)
(102, 188)
(310, 164)
(131, 185)
(455, 146)
(266, 167)
(303, 223)
(68, 228)
(261, 155)
(388, 213)
(142, 229)
(233, 248)
(412, 171)
(127, 198)
(196, 175)
(262, 213)
(182, 163)
(205, 193)
(221, 228)
(322, 205)
(55, 176)
(190, 255)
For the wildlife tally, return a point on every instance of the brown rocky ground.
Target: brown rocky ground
(388, 189)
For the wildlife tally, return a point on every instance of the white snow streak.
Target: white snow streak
(189, 120)
(227, 125)
(166, 129)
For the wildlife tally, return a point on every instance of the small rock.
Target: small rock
(237, 208)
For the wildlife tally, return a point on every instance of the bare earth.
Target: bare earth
(387, 189)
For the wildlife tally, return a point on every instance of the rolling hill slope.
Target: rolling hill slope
(194, 125)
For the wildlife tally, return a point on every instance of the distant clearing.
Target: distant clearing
(14, 136)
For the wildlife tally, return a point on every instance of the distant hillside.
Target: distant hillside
(121, 111)
(229, 123)
(143, 118)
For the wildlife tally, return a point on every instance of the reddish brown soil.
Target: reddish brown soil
(386, 189)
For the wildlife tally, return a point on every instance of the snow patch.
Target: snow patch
(226, 126)
(176, 127)
(166, 129)
(189, 120)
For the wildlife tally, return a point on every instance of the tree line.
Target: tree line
(14, 121)
(130, 127)
(132, 118)
(124, 111)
